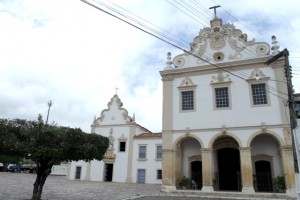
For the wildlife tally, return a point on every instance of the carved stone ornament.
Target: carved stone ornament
(262, 49)
(219, 56)
(220, 78)
(218, 35)
(179, 62)
(122, 138)
(109, 156)
(187, 82)
(257, 74)
(111, 139)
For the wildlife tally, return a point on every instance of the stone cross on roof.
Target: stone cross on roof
(215, 9)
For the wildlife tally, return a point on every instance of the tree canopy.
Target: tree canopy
(48, 145)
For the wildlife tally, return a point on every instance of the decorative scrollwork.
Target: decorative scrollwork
(179, 62)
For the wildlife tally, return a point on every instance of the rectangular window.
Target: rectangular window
(222, 99)
(158, 152)
(142, 152)
(141, 175)
(259, 94)
(159, 174)
(187, 99)
(123, 146)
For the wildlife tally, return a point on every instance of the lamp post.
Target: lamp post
(49, 106)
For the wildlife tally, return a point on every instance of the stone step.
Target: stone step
(233, 195)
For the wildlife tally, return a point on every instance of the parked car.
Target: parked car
(14, 167)
(1, 167)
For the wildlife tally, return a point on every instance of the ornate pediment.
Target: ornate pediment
(187, 82)
(122, 138)
(220, 78)
(220, 43)
(217, 36)
(115, 113)
(257, 74)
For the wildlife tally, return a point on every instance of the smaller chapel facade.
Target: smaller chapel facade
(134, 154)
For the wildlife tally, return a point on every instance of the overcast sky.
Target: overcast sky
(75, 55)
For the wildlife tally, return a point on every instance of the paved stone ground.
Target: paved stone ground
(19, 186)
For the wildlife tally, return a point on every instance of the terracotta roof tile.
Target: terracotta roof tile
(148, 135)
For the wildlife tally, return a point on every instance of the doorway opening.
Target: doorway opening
(196, 174)
(108, 172)
(263, 176)
(78, 173)
(229, 169)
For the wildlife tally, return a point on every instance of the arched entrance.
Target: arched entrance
(266, 162)
(188, 164)
(228, 169)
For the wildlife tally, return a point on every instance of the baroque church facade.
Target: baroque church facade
(224, 127)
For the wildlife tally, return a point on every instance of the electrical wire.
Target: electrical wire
(164, 40)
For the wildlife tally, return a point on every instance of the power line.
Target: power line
(164, 40)
(184, 12)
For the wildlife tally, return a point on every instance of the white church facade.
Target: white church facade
(224, 127)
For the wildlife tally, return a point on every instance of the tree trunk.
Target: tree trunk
(41, 176)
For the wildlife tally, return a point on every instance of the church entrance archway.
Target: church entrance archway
(188, 164)
(266, 162)
(228, 167)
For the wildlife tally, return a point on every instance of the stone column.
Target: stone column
(287, 160)
(207, 169)
(169, 171)
(246, 170)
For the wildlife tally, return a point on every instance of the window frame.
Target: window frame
(157, 173)
(219, 86)
(267, 95)
(185, 86)
(139, 152)
(122, 141)
(189, 102)
(156, 153)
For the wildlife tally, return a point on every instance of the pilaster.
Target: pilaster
(130, 153)
(246, 170)
(167, 115)
(207, 169)
(168, 170)
(287, 159)
(88, 171)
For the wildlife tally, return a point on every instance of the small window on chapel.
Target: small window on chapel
(122, 146)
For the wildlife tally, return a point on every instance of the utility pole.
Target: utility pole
(288, 75)
(49, 106)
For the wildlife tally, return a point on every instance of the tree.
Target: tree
(48, 145)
